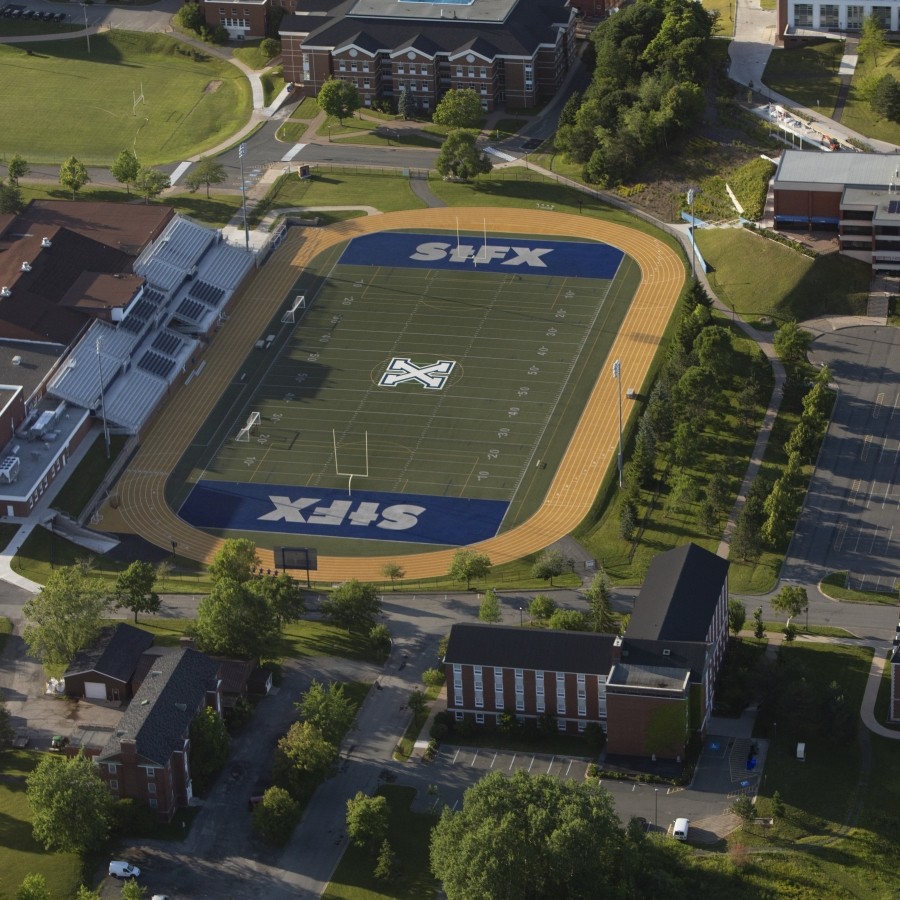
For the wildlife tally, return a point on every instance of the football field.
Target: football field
(423, 389)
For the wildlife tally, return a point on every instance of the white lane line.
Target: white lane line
(874, 539)
(455, 755)
(553, 760)
(182, 168)
(292, 152)
(894, 407)
(493, 760)
(474, 759)
(533, 758)
(511, 762)
(871, 494)
(890, 537)
(867, 443)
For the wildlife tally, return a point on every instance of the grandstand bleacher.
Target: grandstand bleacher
(156, 363)
(206, 292)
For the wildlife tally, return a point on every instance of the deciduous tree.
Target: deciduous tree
(393, 570)
(384, 868)
(236, 559)
(131, 890)
(791, 341)
(275, 816)
(467, 564)
(418, 705)
(549, 565)
(150, 183)
(125, 168)
(329, 709)
(541, 607)
(206, 172)
(70, 804)
(528, 836)
(33, 887)
(17, 168)
(85, 893)
(338, 98)
(65, 616)
(302, 759)
(270, 48)
(489, 610)
(569, 620)
(459, 109)
(353, 605)
(209, 746)
(872, 40)
(234, 621)
(282, 596)
(367, 819)
(73, 175)
(791, 600)
(460, 158)
(136, 589)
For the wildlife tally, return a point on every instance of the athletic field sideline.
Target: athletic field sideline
(138, 506)
(492, 368)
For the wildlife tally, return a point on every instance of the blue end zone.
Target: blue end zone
(520, 256)
(413, 518)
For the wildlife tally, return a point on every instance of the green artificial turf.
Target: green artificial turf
(62, 101)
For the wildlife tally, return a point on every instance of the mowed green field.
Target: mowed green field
(527, 352)
(62, 101)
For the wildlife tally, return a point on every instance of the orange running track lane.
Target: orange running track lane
(138, 505)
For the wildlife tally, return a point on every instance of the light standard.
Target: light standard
(86, 32)
(102, 403)
(617, 374)
(690, 199)
(807, 618)
(241, 151)
(521, 612)
(174, 548)
(656, 806)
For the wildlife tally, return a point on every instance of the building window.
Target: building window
(520, 702)
(423, 70)
(114, 784)
(540, 704)
(471, 72)
(883, 14)
(423, 85)
(112, 768)
(803, 15)
(457, 699)
(479, 718)
(365, 66)
(829, 15)
(151, 772)
(153, 804)
(582, 706)
(482, 73)
(499, 702)
(366, 83)
(151, 788)
(458, 716)
(354, 67)
(479, 699)
(342, 66)
(581, 727)
(459, 72)
(561, 724)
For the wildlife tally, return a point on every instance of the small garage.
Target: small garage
(104, 672)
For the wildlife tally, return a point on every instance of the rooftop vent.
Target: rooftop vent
(46, 242)
(26, 266)
(667, 652)
(181, 707)
(5, 292)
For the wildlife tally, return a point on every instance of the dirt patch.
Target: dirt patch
(212, 87)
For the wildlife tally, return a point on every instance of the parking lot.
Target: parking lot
(28, 14)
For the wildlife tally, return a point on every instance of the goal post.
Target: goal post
(298, 306)
(350, 475)
(252, 421)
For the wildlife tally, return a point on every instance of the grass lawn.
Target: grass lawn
(250, 55)
(664, 522)
(406, 744)
(796, 286)
(192, 100)
(834, 585)
(273, 83)
(507, 127)
(409, 834)
(23, 27)
(858, 114)
(296, 125)
(21, 854)
(385, 136)
(81, 484)
(808, 75)
(333, 127)
(725, 9)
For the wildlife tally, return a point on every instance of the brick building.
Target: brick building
(242, 19)
(511, 52)
(649, 690)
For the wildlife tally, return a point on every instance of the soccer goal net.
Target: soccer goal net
(247, 430)
(298, 306)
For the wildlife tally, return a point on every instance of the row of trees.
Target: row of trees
(11, 201)
(646, 88)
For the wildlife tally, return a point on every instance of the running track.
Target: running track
(141, 508)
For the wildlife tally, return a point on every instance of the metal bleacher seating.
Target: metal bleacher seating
(206, 292)
(156, 364)
(191, 309)
(168, 343)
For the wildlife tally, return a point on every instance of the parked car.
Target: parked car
(160, 897)
(118, 868)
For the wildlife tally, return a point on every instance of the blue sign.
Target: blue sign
(371, 515)
(507, 255)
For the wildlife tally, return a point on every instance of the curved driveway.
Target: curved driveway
(140, 505)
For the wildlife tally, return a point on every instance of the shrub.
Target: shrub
(433, 678)
(438, 731)
(132, 818)
(270, 48)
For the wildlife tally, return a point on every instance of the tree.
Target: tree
(737, 615)
(568, 620)
(549, 565)
(816, 404)
(709, 517)
(329, 709)
(746, 542)
(282, 596)
(65, 616)
(17, 168)
(384, 868)
(790, 633)
(11, 200)
(367, 819)
(601, 616)
(85, 893)
(338, 98)
(459, 109)
(131, 890)
(353, 605)
(270, 48)
(528, 836)
(744, 807)
(418, 705)
(433, 678)
(801, 439)
(393, 571)
(791, 600)
(460, 158)
(70, 804)
(191, 16)
(780, 508)
(135, 589)
(236, 559)
(777, 806)
(302, 759)
(885, 98)
(275, 816)
(233, 620)
(150, 183)
(759, 629)
(628, 519)
(695, 392)
(872, 40)
(33, 887)
(209, 746)
(125, 168)
(686, 443)
(7, 733)
(467, 564)
(406, 107)
(73, 175)
(489, 611)
(541, 607)
(791, 342)
(207, 171)
(713, 350)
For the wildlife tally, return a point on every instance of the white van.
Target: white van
(680, 829)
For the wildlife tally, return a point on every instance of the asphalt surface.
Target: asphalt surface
(850, 518)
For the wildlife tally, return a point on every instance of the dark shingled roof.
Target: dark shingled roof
(159, 716)
(114, 655)
(679, 595)
(529, 648)
(682, 655)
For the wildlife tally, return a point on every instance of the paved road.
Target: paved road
(850, 518)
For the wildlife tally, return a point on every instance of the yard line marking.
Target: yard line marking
(292, 152)
(511, 762)
(179, 171)
(876, 410)
(867, 443)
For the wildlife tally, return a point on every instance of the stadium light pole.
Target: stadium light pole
(690, 200)
(102, 402)
(617, 374)
(242, 149)
(87, 34)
